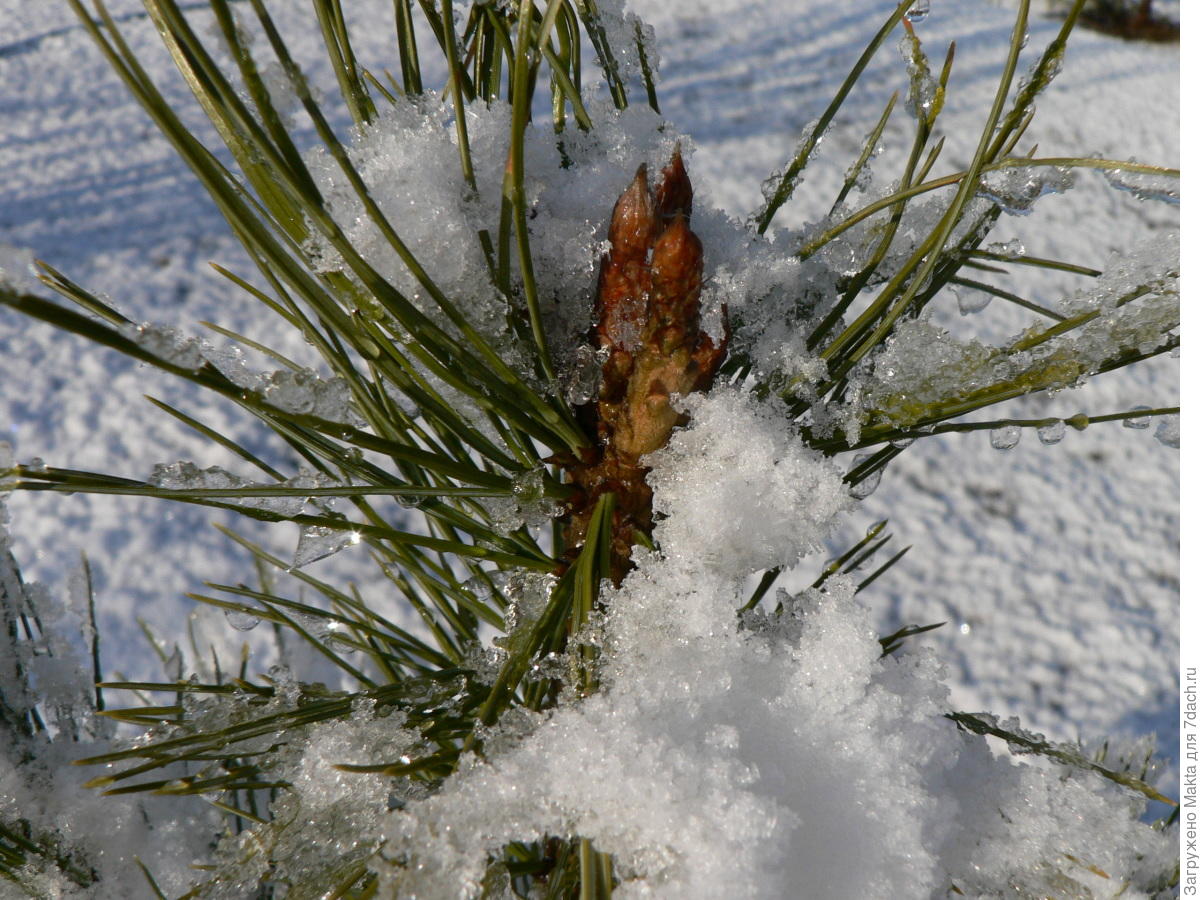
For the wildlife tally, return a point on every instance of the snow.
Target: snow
(778, 498)
(721, 762)
(39, 785)
(1055, 566)
(409, 159)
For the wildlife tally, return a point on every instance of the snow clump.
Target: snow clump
(409, 160)
(729, 756)
(777, 498)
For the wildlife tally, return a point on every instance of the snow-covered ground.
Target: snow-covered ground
(1054, 567)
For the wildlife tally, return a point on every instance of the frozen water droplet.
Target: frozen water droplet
(901, 443)
(528, 487)
(333, 636)
(17, 268)
(530, 588)
(866, 487)
(924, 93)
(168, 344)
(1052, 433)
(306, 392)
(1006, 437)
(1145, 185)
(1168, 432)
(971, 300)
(1139, 421)
(1015, 189)
(173, 664)
(242, 621)
(479, 587)
(528, 504)
(528, 593)
(771, 186)
(584, 374)
(919, 11)
(37, 464)
(317, 542)
(1013, 249)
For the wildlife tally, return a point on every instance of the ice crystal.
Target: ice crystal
(1015, 189)
(582, 376)
(16, 268)
(319, 541)
(1145, 185)
(1137, 421)
(1013, 249)
(186, 476)
(971, 300)
(1052, 433)
(1168, 431)
(1005, 437)
(168, 344)
(526, 506)
(923, 94)
(307, 392)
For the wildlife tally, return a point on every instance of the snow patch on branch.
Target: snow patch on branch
(739, 490)
(741, 758)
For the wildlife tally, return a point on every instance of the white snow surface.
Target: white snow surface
(1054, 567)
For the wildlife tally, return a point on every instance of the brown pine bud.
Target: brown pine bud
(674, 194)
(625, 272)
(648, 317)
(633, 225)
(676, 270)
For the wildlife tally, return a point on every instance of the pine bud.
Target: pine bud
(648, 317)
